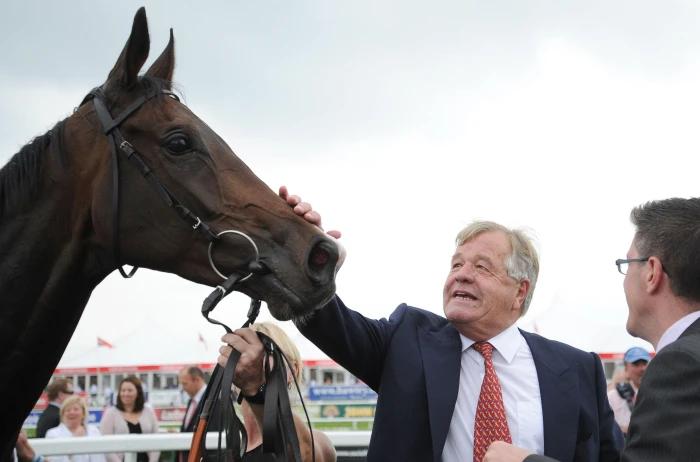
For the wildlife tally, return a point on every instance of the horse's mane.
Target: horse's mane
(19, 178)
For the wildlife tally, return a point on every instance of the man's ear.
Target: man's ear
(521, 295)
(655, 275)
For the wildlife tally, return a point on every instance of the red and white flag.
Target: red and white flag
(103, 343)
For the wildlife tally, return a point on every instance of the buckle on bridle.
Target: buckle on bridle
(126, 147)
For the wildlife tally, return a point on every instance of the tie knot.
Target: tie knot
(485, 348)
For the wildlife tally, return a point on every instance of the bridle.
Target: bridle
(279, 434)
(118, 144)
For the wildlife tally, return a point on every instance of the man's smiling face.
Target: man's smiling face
(479, 298)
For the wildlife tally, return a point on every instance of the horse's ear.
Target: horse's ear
(164, 66)
(126, 70)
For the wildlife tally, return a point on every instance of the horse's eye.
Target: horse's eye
(178, 143)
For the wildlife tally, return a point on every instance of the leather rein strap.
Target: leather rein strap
(117, 144)
(278, 432)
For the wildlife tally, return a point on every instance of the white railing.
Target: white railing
(131, 444)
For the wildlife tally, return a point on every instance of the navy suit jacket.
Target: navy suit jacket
(413, 361)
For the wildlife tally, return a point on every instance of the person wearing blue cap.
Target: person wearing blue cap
(623, 396)
(662, 287)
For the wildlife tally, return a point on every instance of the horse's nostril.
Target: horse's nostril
(319, 258)
(321, 262)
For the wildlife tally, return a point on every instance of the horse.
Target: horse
(133, 177)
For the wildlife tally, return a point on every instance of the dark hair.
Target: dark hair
(670, 230)
(58, 385)
(194, 372)
(138, 404)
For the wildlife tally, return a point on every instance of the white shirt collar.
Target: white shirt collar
(676, 329)
(506, 343)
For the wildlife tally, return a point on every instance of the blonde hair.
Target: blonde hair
(522, 264)
(284, 342)
(72, 400)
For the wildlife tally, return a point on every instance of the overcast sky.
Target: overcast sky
(401, 122)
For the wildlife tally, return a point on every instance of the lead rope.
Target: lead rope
(279, 431)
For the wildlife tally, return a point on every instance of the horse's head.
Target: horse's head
(197, 169)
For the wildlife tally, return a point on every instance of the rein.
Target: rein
(278, 432)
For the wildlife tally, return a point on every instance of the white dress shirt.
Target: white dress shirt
(512, 360)
(676, 329)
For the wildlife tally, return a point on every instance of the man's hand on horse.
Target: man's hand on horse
(304, 210)
(250, 374)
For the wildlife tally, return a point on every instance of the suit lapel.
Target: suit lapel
(559, 395)
(441, 352)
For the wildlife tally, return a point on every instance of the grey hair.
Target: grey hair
(522, 264)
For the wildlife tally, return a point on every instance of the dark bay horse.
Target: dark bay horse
(74, 206)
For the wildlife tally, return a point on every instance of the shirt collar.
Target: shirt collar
(507, 343)
(676, 329)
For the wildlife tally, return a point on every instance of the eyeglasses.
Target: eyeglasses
(68, 392)
(623, 264)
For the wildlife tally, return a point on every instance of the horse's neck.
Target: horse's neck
(46, 254)
(44, 291)
(47, 272)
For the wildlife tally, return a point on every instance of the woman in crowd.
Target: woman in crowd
(73, 424)
(252, 413)
(131, 415)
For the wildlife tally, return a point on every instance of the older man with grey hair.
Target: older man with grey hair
(449, 386)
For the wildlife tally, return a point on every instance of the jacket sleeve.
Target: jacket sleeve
(107, 428)
(357, 343)
(665, 424)
(107, 422)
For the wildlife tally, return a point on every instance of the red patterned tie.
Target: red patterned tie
(490, 422)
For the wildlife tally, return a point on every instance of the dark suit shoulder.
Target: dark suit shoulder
(418, 316)
(688, 343)
(567, 352)
(48, 419)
